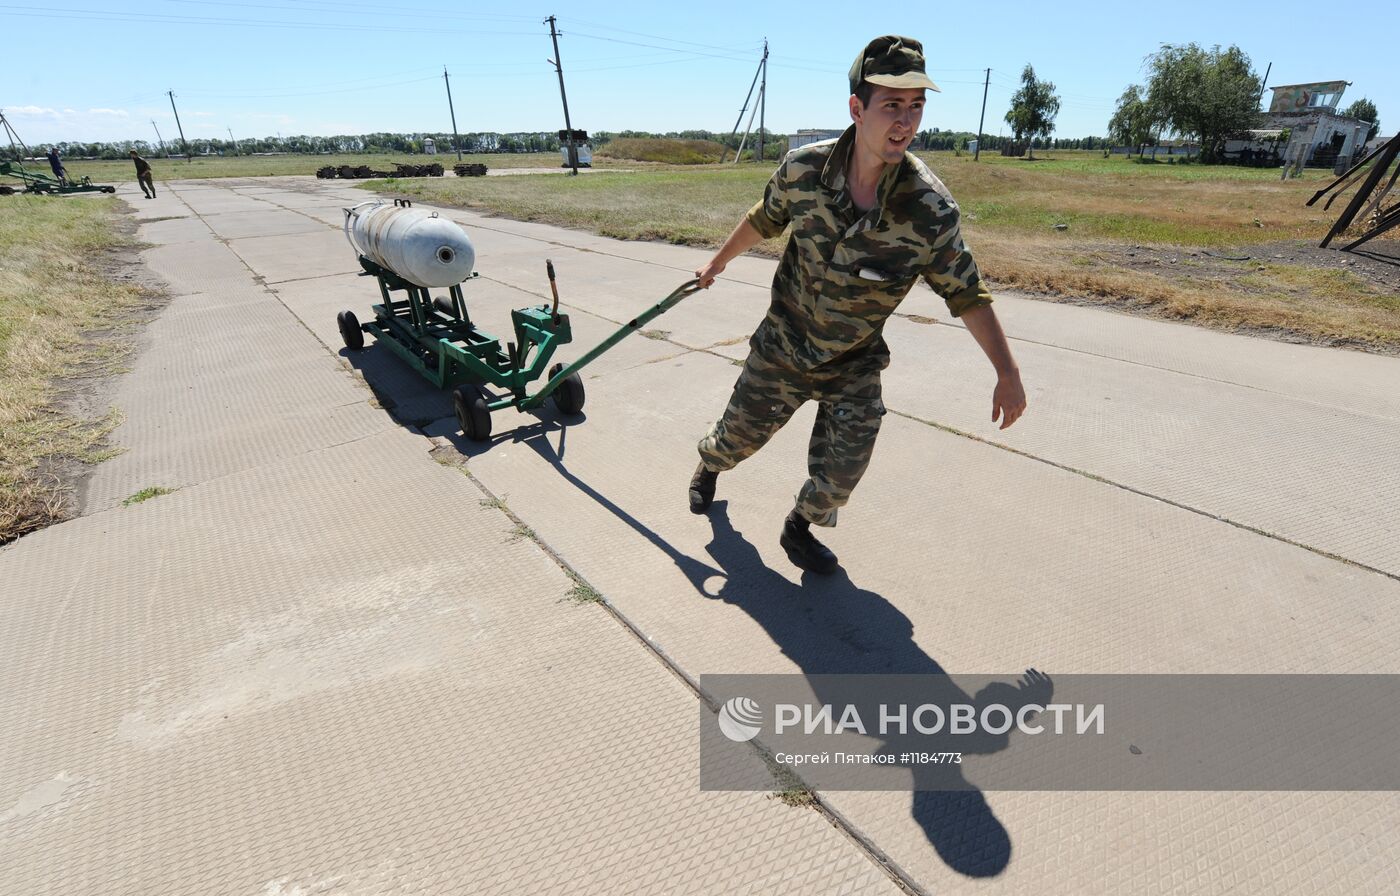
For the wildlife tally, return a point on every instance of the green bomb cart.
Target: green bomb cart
(411, 251)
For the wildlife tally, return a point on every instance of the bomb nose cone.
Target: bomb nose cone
(419, 246)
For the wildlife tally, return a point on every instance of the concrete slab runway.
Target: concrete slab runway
(275, 679)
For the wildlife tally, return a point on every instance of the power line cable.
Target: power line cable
(743, 49)
(93, 15)
(344, 6)
(277, 96)
(618, 40)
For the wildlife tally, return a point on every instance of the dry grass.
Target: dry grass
(1011, 208)
(1187, 205)
(690, 206)
(1329, 306)
(53, 298)
(673, 152)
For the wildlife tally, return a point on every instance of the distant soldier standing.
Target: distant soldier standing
(143, 176)
(868, 219)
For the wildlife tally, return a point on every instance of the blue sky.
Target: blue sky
(95, 70)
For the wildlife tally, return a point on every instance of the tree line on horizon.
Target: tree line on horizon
(775, 145)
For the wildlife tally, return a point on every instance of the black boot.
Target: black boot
(702, 489)
(803, 549)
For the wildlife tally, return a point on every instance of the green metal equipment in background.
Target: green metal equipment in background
(40, 184)
(36, 183)
(436, 337)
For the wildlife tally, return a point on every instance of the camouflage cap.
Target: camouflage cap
(891, 61)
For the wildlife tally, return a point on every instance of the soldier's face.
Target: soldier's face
(886, 127)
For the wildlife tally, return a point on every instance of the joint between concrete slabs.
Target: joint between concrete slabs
(864, 844)
(1264, 533)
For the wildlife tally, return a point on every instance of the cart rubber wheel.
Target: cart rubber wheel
(568, 398)
(472, 412)
(350, 330)
(444, 304)
(109, 189)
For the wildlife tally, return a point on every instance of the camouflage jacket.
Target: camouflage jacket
(843, 273)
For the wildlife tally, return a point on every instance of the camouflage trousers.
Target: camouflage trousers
(849, 411)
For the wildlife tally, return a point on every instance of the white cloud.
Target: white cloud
(119, 113)
(70, 111)
(34, 111)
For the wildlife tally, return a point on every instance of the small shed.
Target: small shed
(429, 146)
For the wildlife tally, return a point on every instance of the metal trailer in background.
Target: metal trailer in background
(35, 182)
(42, 184)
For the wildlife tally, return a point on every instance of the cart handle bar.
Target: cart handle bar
(688, 288)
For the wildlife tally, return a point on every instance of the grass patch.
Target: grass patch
(800, 797)
(147, 493)
(54, 304)
(493, 503)
(583, 593)
(696, 207)
(521, 532)
(447, 456)
(117, 170)
(1010, 210)
(671, 152)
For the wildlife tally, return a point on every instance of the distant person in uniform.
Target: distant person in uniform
(57, 165)
(143, 176)
(868, 219)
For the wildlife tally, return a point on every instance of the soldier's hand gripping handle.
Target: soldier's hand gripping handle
(706, 275)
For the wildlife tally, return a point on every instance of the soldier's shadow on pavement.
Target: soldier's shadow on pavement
(828, 625)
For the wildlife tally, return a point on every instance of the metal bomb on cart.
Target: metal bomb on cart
(411, 250)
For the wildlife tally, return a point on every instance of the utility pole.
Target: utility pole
(762, 97)
(748, 96)
(983, 120)
(568, 125)
(456, 141)
(159, 138)
(183, 142)
(231, 140)
(1263, 84)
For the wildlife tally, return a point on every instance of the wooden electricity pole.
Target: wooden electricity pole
(183, 142)
(983, 120)
(748, 96)
(762, 97)
(456, 141)
(159, 138)
(568, 125)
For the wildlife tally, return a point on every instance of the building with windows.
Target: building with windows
(1318, 134)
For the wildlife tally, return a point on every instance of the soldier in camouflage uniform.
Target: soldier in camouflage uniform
(868, 219)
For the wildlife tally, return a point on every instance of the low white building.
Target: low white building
(1318, 134)
(802, 138)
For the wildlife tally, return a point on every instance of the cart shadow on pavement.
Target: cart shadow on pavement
(412, 401)
(828, 625)
(399, 389)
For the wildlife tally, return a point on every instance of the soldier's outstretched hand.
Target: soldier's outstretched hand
(1008, 400)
